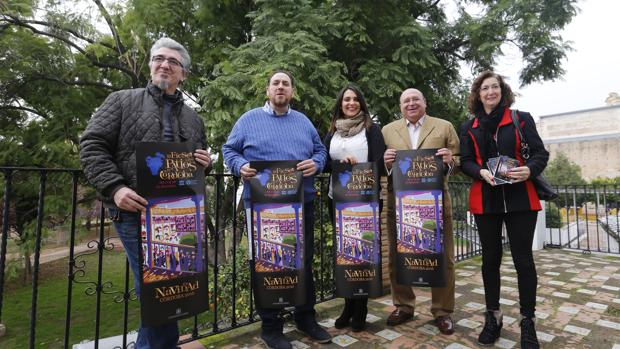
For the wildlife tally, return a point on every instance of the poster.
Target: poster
(277, 234)
(355, 190)
(174, 276)
(418, 190)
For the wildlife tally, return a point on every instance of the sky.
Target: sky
(592, 70)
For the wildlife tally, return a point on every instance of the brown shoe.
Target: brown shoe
(398, 317)
(445, 324)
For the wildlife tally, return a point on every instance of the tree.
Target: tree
(73, 54)
(562, 171)
(384, 46)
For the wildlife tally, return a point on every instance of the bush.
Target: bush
(368, 235)
(553, 216)
(188, 239)
(430, 225)
(289, 240)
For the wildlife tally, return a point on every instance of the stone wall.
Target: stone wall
(590, 138)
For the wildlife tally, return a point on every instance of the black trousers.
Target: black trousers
(272, 321)
(520, 227)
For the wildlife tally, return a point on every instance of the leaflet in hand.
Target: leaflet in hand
(499, 168)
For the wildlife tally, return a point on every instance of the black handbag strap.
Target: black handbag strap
(525, 148)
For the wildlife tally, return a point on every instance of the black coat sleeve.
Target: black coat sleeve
(376, 147)
(98, 146)
(538, 154)
(328, 162)
(469, 165)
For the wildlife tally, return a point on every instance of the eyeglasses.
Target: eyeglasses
(171, 61)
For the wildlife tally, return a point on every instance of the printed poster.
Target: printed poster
(277, 200)
(418, 189)
(174, 276)
(355, 190)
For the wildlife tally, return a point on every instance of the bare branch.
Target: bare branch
(119, 46)
(27, 109)
(93, 60)
(72, 83)
(68, 30)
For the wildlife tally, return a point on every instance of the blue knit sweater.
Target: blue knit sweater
(259, 136)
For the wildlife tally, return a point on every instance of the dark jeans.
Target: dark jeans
(127, 225)
(520, 227)
(272, 321)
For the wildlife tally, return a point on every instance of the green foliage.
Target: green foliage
(553, 218)
(429, 224)
(225, 296)
(289, 240)
(368, 236)
(61, 59)
(562, 171)
(188, 239)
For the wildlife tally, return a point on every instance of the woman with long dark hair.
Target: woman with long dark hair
(490, 134)
(352, 138)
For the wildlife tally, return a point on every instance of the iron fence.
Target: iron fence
(585, 218)
(37, 202)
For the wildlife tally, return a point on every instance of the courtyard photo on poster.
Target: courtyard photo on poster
(419, 221)
(172, 244)
(277, 231)
(356, 233)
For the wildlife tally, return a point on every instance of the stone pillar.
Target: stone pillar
(540, 234)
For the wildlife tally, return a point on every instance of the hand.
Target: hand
(202, 157)
(446, 155)
(247, 172)
(128, 200)
(350, 159)
(486, 175)
(519, 174)
(388, 157)
(308, 167)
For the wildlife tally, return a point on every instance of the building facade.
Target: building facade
(589, 138)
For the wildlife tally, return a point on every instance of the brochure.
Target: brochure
(499, 168)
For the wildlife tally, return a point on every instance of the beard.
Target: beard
(280, 101)
(162, 84)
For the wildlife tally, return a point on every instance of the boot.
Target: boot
(347, 313)
(492, 329)
(359, 314)
(528, 334)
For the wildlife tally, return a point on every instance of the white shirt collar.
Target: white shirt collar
(417, 124)
(267, 109)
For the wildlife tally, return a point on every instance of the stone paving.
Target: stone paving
(578, 306)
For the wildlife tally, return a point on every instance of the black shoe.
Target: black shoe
(347, 313)
(359, 314)
(314, 331)
(275, 340)
(491, 331)
(528, 334)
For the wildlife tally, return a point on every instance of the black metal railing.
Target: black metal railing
(584, 217)
(38, 202)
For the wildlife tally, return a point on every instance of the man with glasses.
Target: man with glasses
(107, 152)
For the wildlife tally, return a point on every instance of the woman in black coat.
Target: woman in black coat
(489, 134)
(352, 138)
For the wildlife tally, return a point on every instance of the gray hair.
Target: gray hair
(173, 45)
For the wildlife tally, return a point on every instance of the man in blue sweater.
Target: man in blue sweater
(277, 132)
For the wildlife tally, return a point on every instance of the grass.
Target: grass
(52, 303)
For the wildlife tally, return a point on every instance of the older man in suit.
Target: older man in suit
(416, 130)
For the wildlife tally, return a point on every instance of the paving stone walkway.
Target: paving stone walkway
(578, 306)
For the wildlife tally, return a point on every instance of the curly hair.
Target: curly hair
(473, 100)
